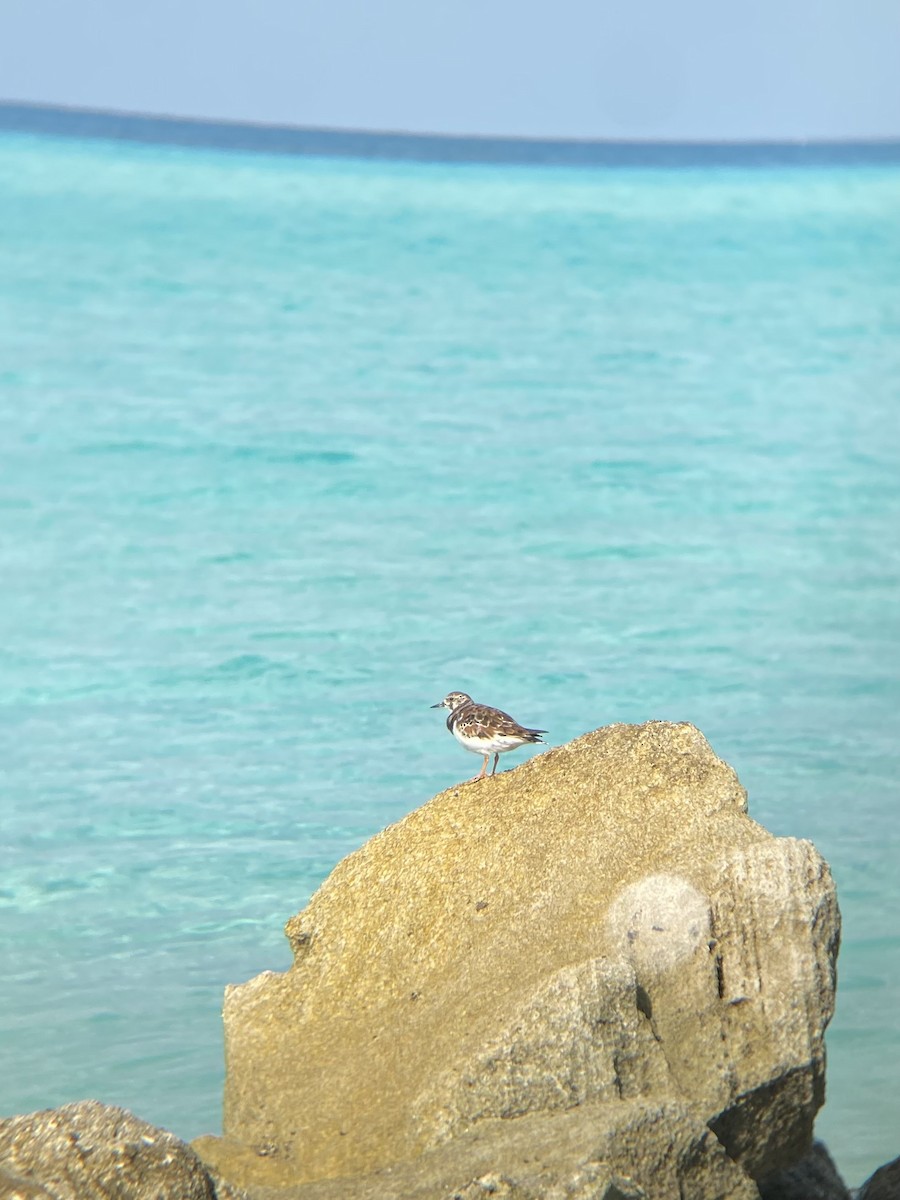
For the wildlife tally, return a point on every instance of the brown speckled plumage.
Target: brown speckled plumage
(485, 730)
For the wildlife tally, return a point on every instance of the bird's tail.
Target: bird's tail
(534, 735)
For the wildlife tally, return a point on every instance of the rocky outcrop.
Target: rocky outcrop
(598, 941)
(91, 1151)
(883, 1185)
(814, 1177)
(578, 1154)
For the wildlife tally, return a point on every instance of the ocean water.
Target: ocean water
(292, 446)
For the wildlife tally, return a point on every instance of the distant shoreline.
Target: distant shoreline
(246, 136)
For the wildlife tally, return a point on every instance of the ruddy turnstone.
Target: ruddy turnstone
(485, 730)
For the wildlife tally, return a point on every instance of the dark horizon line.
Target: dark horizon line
(361, 131)
(338, 141)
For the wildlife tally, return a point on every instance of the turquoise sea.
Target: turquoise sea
(292, 445)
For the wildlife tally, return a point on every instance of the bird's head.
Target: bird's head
(453, 701)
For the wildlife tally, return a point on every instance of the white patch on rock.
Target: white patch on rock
(658, 923)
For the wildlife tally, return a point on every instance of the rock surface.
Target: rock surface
(883, 1185)
(602, 928)
(91, 1151)
(814, 1177)
(580, 1154)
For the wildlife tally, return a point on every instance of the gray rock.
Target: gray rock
(91, 1151)
(814, 1177)
(883, 1185)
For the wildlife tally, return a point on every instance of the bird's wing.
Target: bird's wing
(482, 721)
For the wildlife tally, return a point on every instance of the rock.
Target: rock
(14, 1187)
(91, 1151)
(601, 926)
(883, 1185)
(579, 1154)
(814, 1177)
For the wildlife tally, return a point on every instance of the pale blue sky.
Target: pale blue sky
(635, 68)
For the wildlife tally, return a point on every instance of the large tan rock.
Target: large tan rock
(603, 925)
(582, 1153)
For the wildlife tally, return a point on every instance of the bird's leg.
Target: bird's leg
(496, 760)
(481, 774)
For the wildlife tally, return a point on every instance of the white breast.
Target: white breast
(498, 743)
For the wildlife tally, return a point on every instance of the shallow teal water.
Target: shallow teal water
(292, 447)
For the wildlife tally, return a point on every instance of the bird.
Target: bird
(485, 730)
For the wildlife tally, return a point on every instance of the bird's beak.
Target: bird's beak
(441, 705)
